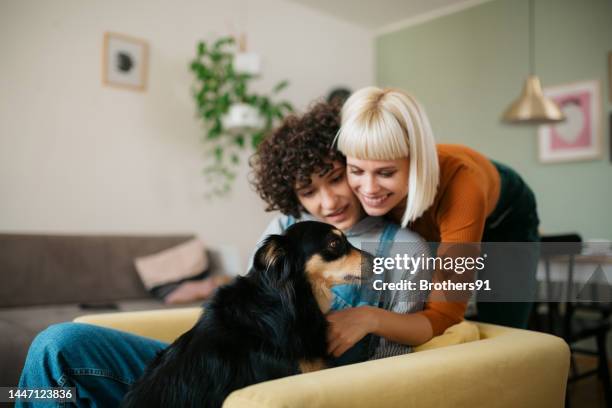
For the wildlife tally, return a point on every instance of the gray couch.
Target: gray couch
(46, 279)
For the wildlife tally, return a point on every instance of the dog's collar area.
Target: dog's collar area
(353, 278)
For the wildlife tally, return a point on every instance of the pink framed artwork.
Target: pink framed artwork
(579, 136)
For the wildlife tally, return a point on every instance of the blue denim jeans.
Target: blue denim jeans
(100, 363)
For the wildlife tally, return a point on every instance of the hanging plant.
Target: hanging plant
(234, 118)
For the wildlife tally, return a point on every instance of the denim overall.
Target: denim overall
(351, 295)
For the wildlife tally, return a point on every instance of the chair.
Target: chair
(497, 370)
(567, 319)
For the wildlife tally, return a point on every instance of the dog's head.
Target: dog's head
(314, 251)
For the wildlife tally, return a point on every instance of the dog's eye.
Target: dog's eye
(334, 244)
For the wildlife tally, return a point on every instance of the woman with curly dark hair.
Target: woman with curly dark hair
(298, 153)
(297, 172)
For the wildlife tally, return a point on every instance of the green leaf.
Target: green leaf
(213, 134)
(216, 56)
(201, 48)
(201, 96)
(280, 86)
(216, 130)
(218, 153)
(210, 113)
(223, 41)
(229, 174)
(264, 104)
(224, 102)
(229, 70)
(204, 73)
(213, 85)
(240, 89)
(195, 65)
(286, 105)
(256, 139)
(277, 113)
(235, 159)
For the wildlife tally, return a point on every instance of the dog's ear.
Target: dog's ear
(270, 252)
(272, 263)
(271, 258)
(272, 266)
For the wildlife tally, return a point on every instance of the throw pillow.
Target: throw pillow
(463, 332)
(164, 271)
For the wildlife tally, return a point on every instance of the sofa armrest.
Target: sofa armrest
(165, 325)
(508, 368)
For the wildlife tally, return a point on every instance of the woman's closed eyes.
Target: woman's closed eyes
(385, 173)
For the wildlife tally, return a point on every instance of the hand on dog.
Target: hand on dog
(347, 327)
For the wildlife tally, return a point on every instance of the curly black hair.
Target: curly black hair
(292, 153)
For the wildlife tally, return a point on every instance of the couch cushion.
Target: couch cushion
(55, 269)
(463, 332)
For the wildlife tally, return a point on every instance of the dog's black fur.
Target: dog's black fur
(259, 328)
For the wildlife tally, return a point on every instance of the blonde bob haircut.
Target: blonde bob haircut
(389, 124)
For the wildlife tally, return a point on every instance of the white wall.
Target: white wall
(80, 157)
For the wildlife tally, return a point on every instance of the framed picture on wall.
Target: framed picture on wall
(124, 61)
(579, 136)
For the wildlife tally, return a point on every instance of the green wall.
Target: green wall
(467, 67)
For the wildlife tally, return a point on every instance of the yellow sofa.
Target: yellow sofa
(505, 368)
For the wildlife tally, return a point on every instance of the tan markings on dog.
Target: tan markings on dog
(271, 254)
(337, 232)
(307, 366)
(323, 275)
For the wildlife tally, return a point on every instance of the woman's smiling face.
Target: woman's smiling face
(380, 185)
(330, 199)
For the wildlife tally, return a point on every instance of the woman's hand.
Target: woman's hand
(347, 327)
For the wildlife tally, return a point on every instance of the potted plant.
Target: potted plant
(234, 118)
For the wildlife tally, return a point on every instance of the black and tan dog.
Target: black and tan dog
(266, 325)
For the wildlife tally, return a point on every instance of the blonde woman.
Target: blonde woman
(446, 193)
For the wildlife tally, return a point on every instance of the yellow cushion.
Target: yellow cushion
(497, 371)
(165, 325)
(463, 332)
(500, 368)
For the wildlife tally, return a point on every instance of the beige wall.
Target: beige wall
(79, 157)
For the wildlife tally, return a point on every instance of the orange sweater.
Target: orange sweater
(468, 192)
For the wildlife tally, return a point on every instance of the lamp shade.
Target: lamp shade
(532, 107)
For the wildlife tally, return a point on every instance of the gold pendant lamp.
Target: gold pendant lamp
(532, 107)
